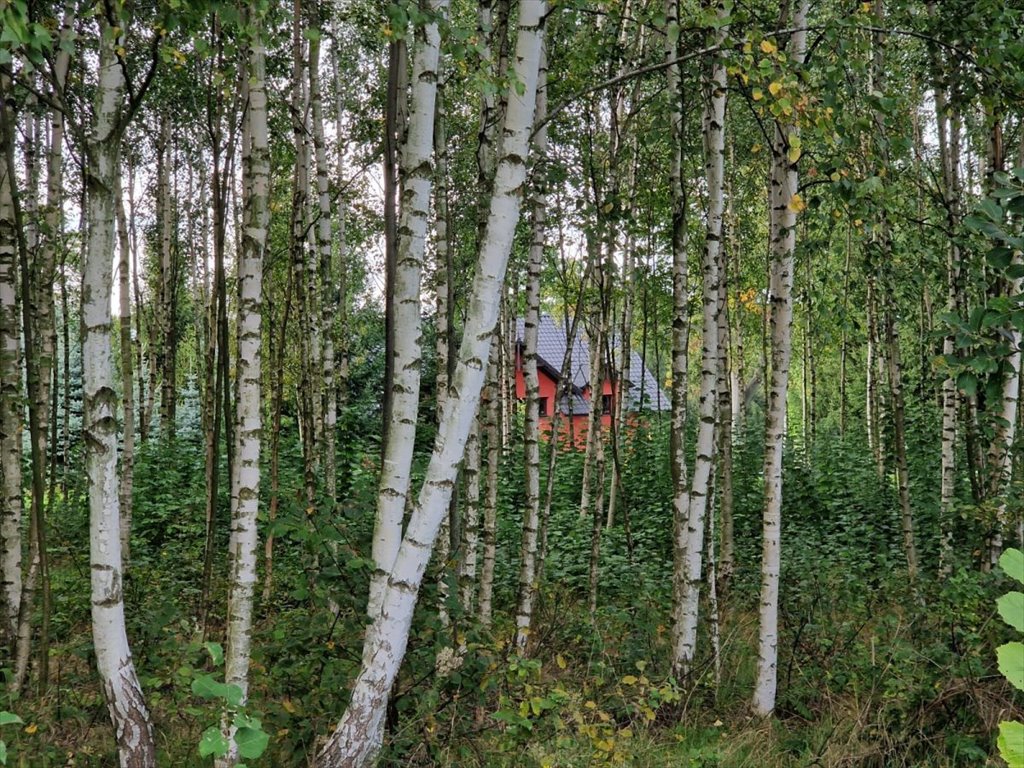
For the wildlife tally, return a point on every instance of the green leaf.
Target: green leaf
(1011, 608)
(1011, 743)
(967, 383)
(1012, 563)
(991, 209)
(9, 718)
(3, 753)
(1011, 663)
(252, 742)
(206, 687)
(216, 651)
(213, 743)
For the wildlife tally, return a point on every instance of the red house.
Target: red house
(642, 391)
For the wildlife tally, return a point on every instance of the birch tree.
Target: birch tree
(688, 571)
(531, 428)
(358, 736)
(418, 168)
(125, 703)
(245, 478)
(784, 205)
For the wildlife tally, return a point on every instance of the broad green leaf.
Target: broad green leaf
(213, 743)
(991, 209)
(252, 742)
(9, 718)
(208, 688)
(1011, 608)
(216, 651)
(3, 753)
(967, 383)
(1011, 743)
(1011, 663)
(1012, 563)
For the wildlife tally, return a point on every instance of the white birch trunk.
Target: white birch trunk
(784, 184)
(680, 320)
(125, 703)
(10, 402)
(245, 476)
(358, 736)
(417, 162)
(528, 577)
(686, 612)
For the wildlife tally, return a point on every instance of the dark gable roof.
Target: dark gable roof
(551, 344)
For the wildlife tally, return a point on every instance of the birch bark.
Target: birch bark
(125, 703)
(531, 428)
(689, 571)
(418, 168)
(245, 476)
(782, 195)
(358, 736)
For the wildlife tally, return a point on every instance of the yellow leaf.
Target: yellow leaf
(590, 705)
(865, 7)
(775, 88)
(629, 680)
(289, 707)
(757, 94)
(796, 204)
(767, 46)
(560, 661)
(747, 48)
(835, 176)
(793, 154)
(31, 728)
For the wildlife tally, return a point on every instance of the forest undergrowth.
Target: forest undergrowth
(873, 670)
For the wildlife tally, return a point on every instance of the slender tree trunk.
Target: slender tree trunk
(680, 316)
(417, 165)
(245, 478)
(784, 208)
(528, 577)
(125, 703)
(11, 398)
(685, 612)
(492, 432)
(127, 377)
(328, 410)
(359, 734)
(167, 352)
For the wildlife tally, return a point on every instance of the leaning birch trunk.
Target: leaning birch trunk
(417, 161)
(784, 205)
(358, 736)
(245, 475)
(125, 703)
(10, 403)
(686, 611)
(531, 427)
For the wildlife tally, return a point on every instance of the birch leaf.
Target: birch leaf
(1011, 608)
(1012, 562)
(252, 742)
(1011, 663)
(793, 154)
(775, 88)
(213, 743)
(1011, 743)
